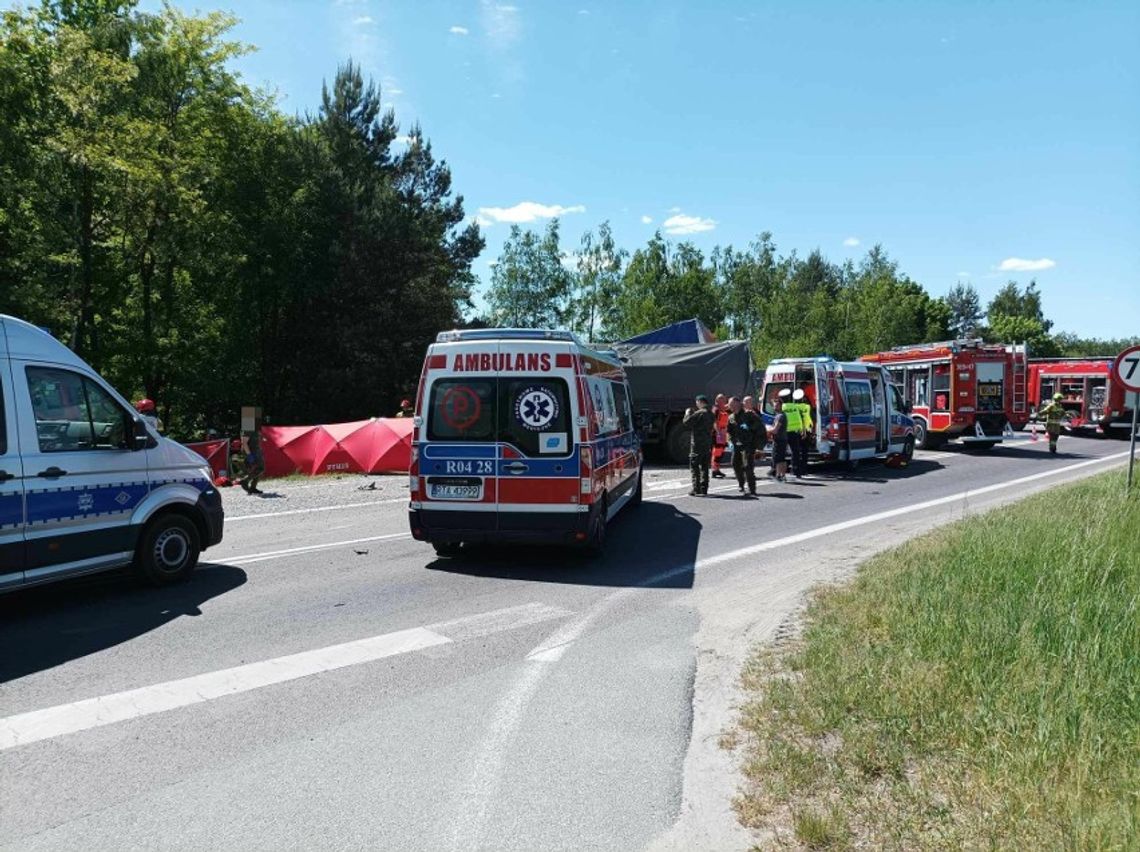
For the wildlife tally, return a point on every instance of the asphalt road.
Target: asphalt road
(324, 682)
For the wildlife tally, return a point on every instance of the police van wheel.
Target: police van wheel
(168, 550)
(908, 450)
(447, 548)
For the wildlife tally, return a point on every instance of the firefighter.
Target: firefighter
(149, 412)
(720, 438)
(699, 421)
(747, 433)
(800, 410)
(1054, 413)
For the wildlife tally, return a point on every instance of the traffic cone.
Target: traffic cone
(1033, 432)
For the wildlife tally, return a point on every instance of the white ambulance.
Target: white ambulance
(521, 435)
(85, 483)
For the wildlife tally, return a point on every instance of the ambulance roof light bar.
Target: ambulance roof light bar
(506, 334)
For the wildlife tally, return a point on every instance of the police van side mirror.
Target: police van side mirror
(140, 436)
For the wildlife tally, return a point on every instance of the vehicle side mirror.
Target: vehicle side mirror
(140, 435)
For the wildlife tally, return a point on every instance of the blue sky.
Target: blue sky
(976, 141)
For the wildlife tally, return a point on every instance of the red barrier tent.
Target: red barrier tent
(216, 453)
(364, 446)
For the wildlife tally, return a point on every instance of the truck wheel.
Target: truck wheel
(635, 500)
(923, 439)
(908, 450)
(168, 550)
(677, 445)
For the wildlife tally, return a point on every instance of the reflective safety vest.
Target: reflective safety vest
(799, 416)
(1054, 412)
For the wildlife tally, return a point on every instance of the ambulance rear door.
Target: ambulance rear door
(459, 441)
(538, 467)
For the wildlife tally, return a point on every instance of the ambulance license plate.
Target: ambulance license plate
(459, 488)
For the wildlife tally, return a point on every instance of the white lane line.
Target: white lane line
(30, 727)
(38, 725)
(312, 548)
(482, 787)
(232, 518)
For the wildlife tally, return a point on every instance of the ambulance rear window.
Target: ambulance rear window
(462, 410)
(535, 415)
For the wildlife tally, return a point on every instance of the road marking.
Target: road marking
(30, 727)
(232, 519)
(312, 548)
(481, 790)
(38, 725)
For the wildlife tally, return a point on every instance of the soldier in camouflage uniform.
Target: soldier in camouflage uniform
(701, 423)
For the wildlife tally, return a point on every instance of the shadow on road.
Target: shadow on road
(874, 471)
(44, 627)
(654, 544)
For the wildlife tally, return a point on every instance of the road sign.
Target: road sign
(1126, 369)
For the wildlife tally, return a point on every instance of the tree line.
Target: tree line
(202, 248)
(784, 304)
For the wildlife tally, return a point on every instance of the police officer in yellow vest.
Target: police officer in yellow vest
(1054, 413)
(799, 432)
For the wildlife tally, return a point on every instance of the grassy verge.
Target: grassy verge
(978, 687)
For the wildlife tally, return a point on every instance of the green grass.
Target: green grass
(978, 687)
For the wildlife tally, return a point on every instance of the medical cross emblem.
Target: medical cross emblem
(536, 408)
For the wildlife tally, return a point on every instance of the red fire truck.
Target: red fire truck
(964, 390)
(1094, 402)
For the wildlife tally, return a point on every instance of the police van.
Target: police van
(85, 483)
(521, 436)
(856, 412)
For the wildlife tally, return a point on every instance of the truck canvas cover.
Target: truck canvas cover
(666, 377)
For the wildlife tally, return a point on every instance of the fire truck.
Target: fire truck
(1095, 404)
(961, 390)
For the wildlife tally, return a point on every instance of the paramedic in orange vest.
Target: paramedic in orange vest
(720, 436)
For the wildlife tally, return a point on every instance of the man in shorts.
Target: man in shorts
(779, 435)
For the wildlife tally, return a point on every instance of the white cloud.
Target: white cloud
(524, 211)
(1020, 264)
(647, 220)
(458, 30)
(674, 209)
(681, 224)
(500, 23)
(583, 11)
(851, 242)
(963, 274)
(363, 21)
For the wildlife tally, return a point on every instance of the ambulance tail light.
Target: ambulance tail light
(833, 429)
(414, 475)
(587, 470)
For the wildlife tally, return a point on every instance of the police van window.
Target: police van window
(534, 416)
(462, 410)
(858, 398)
(3, 424)
(624, 413)
(73, 413)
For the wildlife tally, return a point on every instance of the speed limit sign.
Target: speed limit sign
(1127, 368)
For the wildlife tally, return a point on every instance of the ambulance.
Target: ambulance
(86, 484)
(521, 435)
(856, 412)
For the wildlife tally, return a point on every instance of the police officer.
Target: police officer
(800, 445)
(701, 424)
(1054, 413)
(747, 433)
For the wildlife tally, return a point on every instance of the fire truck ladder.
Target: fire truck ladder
(1020, 360)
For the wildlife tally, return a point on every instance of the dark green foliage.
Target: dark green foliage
(199, 247)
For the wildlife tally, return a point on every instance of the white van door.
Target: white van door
(11, 488)
(82, 479)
